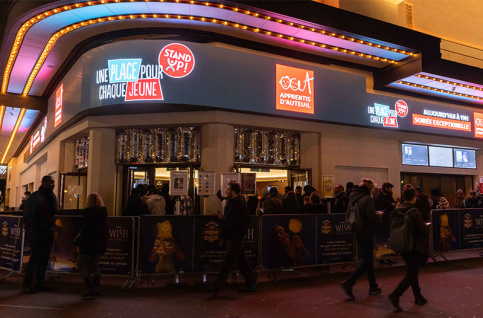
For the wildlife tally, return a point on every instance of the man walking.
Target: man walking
(236, 220)
(361, 196)
(418, 256)
(39, 213)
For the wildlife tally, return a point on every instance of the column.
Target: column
(310, 157)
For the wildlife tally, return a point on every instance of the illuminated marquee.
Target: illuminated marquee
(59, 96)
(384, 115)
(478, 125)
(134, 81)
(39, 136)
(295, 89)
(444, 120)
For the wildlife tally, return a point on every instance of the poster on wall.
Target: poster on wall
(178, 184)
(249, 183)
(206, 183)
(165, 244)
(227, 178)
(288, 240)
(446, 226)
(334, 240)
(328, 191)
(11, 242)
(471, 228)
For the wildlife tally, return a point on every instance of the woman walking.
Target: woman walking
(92, 243)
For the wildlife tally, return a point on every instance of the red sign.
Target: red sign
(390, 121)
(59, 96)
(443, 123)
(177, 60)
(401, 108)
(478, 125)
(295, 89)
(144, 89)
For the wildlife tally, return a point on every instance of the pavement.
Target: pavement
(453, 289)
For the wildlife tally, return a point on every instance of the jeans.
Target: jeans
(366, 247)
(39, 259)
(414, 261)
(235, 253)
(88, 265)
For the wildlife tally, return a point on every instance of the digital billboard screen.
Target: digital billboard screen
(441, 157)
(414, 155)
(464, 158)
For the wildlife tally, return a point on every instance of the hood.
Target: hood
(422, 196)
(404, 207)
(357, 193)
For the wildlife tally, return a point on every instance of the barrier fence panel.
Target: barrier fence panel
(11, 243)
(446, 230)
(64, 252)
(471, 228)
(334, 240)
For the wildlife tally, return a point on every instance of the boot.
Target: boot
(96, 291)
(90, 288)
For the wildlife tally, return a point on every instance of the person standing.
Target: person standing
(236, 220)
(92, 243)
(22, 204)
(156, 202)
(417, 257)
(273, 205)
(437, 200)
(40, 209)
(361, 196)
(458, 201)
(471, 201)
(422, 203)
(135, 206)
(341, 200)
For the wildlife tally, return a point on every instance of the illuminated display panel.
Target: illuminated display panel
(415, 155)
(295, 89)
(440, 157)
(464, 158)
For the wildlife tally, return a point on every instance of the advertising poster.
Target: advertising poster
(118, 257)
(165, 244)
(227, 178)
(206, 183)
(289, 241)
(64, 252)
(178, 184)
(209, 248)
(328, 191)
(446, 227)
(11, 241)
(249, 183)
(471, 228)
(334, 240)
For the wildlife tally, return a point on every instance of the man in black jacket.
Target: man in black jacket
(419, 254)
(236, 220)
(341, 200)
(38, 216)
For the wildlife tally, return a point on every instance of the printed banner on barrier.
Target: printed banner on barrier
(289, 240)
(334, 240)
(118, 257)
(446, 236)
(471, 228)
(64, 252)
(11, 241)
(209, 248)
(165, 244)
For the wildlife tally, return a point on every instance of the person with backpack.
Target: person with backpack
(409, 236)
(362, 217)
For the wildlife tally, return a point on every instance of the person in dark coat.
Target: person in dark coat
(273, 205)
(472, 202)
(361, 196)
(315, 206)
(252, 203)
(419, 254)
(290, 204)
(22, 204)
(341, 200)
(92, 243)
(39, 224)
(458, 201)
(300, 197)
(135, 206)
(348, 188)
(422, 203)
(385, 203)
(236, 220)
(169, 209)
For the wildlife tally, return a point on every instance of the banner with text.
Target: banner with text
(334, 240)
(11, 241)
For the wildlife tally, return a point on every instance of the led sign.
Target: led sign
(134, 81)
(478, 125)
(295, 89)
(39, 136)
(437, 119)
(414, 155)
(384, 115)
(464, 158)
(59, 96)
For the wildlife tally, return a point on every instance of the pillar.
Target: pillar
(310, 157)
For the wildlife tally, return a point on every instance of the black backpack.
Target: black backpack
(353, 217)
(401, 239)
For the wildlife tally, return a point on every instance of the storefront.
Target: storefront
(145, 108)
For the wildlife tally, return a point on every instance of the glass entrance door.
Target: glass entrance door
(300, 177)
(73, 190)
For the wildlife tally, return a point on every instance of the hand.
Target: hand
(297, 242)
(221, 216)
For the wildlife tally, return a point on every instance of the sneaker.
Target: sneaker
(420, 301)
(248, 289)
(347, 287)
(395, 301)
(375, 290)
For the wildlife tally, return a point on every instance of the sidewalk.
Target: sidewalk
(454, 289)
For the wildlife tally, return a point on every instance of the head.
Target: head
(408, 186)
(273, 190)
(283, 237)
(306, 200)
(26, 194)
(265, 193)
(233, 190)
(94, 200)
(418, 190)
(349, 186)
(153, 191)
(387, 188)
(371, 185)
(460, 194)
(291, 195)
(298, 190)
(48, 183)
(409, 196)
(472, 194)
(288, 189)
(315, 198)
(338, 189)
(436, 192)
(135, 192)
